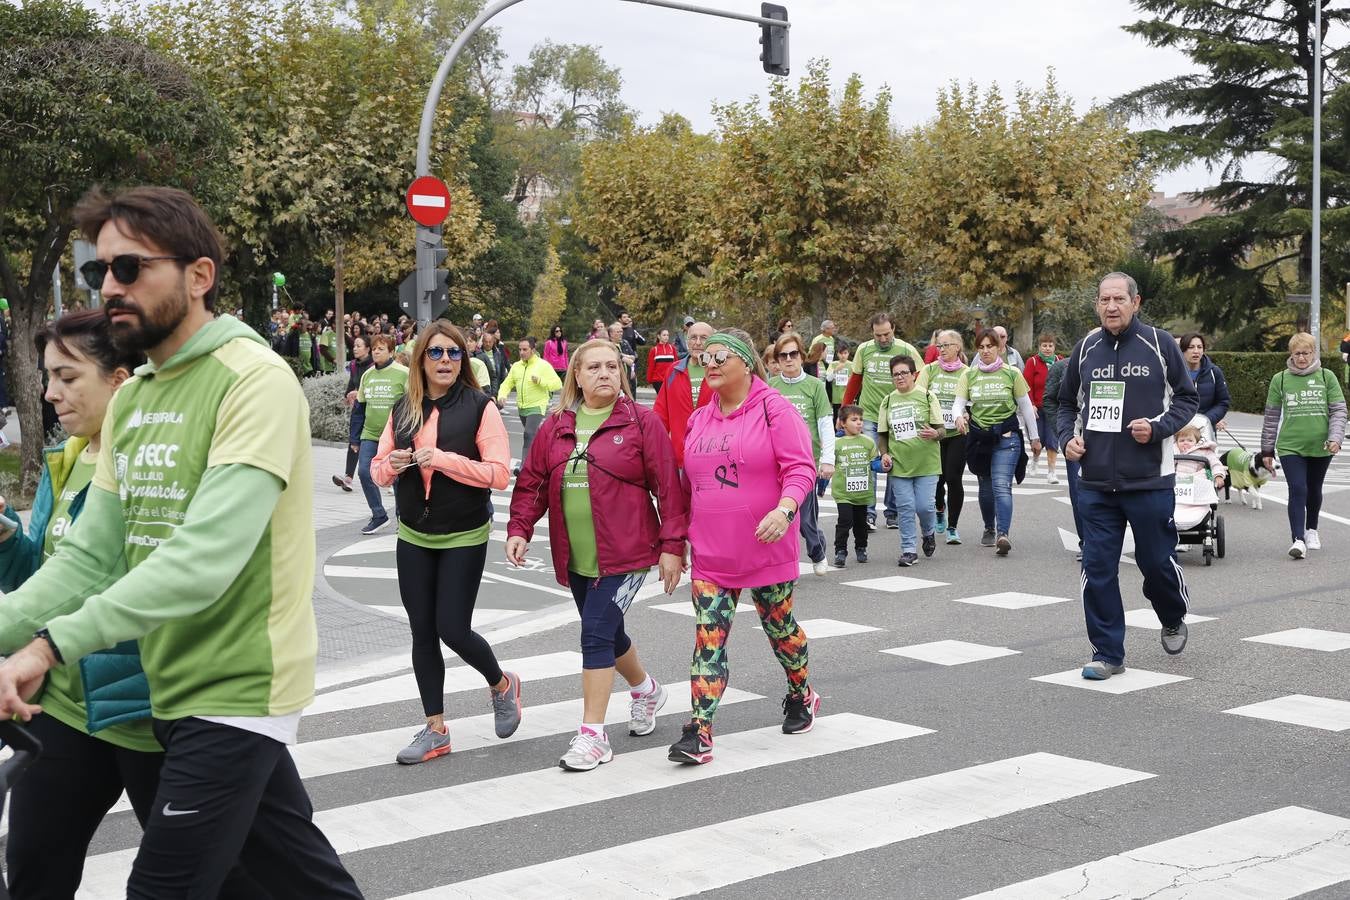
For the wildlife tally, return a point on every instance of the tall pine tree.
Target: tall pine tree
(1248, 116)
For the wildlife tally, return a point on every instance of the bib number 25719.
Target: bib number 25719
(1106, 406)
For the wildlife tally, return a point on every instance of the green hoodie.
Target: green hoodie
(203, 487)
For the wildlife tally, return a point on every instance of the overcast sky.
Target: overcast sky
(680, 62)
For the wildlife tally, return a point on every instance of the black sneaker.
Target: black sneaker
(892, 522)
(799, 712)
(839, 559)
(861, 554)
(1004, 545)
(694, 748)
(930, 544)
(987, 539)
(871, 521)
(375, 524)
(907, 559)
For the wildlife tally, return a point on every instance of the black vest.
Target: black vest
(452, 506)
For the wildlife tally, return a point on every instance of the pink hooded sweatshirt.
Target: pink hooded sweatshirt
(736, 468)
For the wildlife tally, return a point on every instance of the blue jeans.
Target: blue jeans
(1104, 515)
(870, 429)
(368, 486)
(996, 504)
(914, 495)
(808, 514)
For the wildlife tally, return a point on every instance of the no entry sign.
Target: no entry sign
(428, 201)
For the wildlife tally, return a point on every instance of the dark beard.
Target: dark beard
(149, 332)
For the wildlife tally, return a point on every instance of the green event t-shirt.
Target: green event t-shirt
(576, 496)
(808, 398)
(306, 352)
(902, 416)
(854, 481)
(63, 694)
(1304, 415)
(837, 377)
(874, 365)
(828, 358)
(696, 374)
(380, 389)
(943, 383)
(481, 373)
(991, 396)
(328, 339)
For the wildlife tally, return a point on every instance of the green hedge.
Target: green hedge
(1248, 376)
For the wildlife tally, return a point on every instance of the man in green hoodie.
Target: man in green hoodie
(196, 539)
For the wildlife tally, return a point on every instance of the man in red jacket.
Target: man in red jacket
(684, 392)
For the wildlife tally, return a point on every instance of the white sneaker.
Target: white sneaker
(643, 708)
(1051, 477)
(586, 752)
(1312, 540)
(1298, 550)
(822, 567)
(1034, 468)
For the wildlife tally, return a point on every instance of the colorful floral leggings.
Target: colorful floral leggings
(714, 608)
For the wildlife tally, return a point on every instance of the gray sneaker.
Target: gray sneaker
(506, 706)
(586, 751)
(426, 744)
(643, 709)
(1097, 670)
(1174, 639)
(987, 539)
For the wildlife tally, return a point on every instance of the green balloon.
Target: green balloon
(278, 279)
(4, 304)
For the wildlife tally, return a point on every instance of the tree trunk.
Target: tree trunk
(1025, 338)
(820, 304)
(339, 305)
(27, 317)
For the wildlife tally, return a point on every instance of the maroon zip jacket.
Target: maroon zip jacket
(630, 460)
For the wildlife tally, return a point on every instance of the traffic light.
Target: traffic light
(774, 39)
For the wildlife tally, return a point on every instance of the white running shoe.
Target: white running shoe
(1298, 550)
(823, 568)
(1051, 477)
(1312, 540)
(643, 708)
(586, 752)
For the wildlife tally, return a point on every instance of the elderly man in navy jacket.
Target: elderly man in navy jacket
(1125, 392)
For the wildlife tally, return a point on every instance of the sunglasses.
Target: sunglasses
(436, 353)
(716, 359)
(126, 268)
(790, 354)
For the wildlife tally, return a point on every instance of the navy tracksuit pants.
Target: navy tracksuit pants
(1103, 516)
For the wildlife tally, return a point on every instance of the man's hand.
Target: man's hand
(515, 550)
(929, 433)
(21, 677)
(670, 566)
(1141, 430)
(1036, 446)
(1075, 448)
(351, 398)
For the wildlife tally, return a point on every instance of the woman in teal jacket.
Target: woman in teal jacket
(95, 724)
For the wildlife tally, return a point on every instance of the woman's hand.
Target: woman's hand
(929, 433)
(886, 461)
(963, 423)
(1334, 447)
(422, 456)
(772, 527)
(400, 459)
(515, 551)
(1036, 446)
(351, 398)
(827, 470)
(670, 567)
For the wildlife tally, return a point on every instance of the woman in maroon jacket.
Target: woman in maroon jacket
(594, 466)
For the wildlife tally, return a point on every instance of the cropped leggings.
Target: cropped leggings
(602, 603)
(714, 608)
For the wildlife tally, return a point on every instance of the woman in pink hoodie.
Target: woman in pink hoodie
(748, 465)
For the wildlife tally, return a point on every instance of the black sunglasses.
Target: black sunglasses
(126, 268)
(790, 354)
(435, 353)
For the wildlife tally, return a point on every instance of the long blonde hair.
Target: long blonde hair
(571, 391)
(410, 416)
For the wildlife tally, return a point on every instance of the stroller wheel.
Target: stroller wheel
(1209, 557)
(1218, 535)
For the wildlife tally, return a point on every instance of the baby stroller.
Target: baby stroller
(1196, 511)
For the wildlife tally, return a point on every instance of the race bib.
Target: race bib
(854, 484)
(829, 354)
(1106, 406)
(948, 419)
(841, 378)
(1184, 489)
(903, 429)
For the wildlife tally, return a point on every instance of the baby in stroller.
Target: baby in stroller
(1199, 471)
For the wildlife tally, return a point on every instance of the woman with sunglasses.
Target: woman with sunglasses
(748, 466)
(597, 462)
(808, 396)
(445, 449)
(555, 352)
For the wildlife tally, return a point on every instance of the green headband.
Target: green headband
(735, 345)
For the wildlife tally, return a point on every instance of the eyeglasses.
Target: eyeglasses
(901, 373)
(126, 268)
(947, 346)
(715, 359)
(435, 353)
(790, 354)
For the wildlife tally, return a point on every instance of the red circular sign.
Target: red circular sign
(428, 201)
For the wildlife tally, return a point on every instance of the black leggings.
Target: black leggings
(352, 457)
(953, 463)
(439, 589)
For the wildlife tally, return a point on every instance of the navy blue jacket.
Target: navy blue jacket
(1157, 388)
(1213, 390)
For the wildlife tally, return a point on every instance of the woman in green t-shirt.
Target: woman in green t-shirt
(908, 430)
(943, 375)
(1304, 424)
(990, 397)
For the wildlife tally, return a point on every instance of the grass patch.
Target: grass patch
(9, 479)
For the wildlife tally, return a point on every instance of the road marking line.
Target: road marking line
(1300, 709)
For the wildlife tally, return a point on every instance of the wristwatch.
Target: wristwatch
(790, 513)
(44, 634)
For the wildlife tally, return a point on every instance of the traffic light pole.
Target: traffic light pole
(429, 239)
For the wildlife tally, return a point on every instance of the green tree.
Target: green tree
(1009, 204)
(82, 105)
(1250, 104)
(550, 296)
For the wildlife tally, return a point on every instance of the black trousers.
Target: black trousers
(851, 518)
(439, 589)
(949, 482)
(226, 794)
(352, 457)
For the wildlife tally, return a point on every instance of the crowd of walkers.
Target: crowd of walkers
(166, 646)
